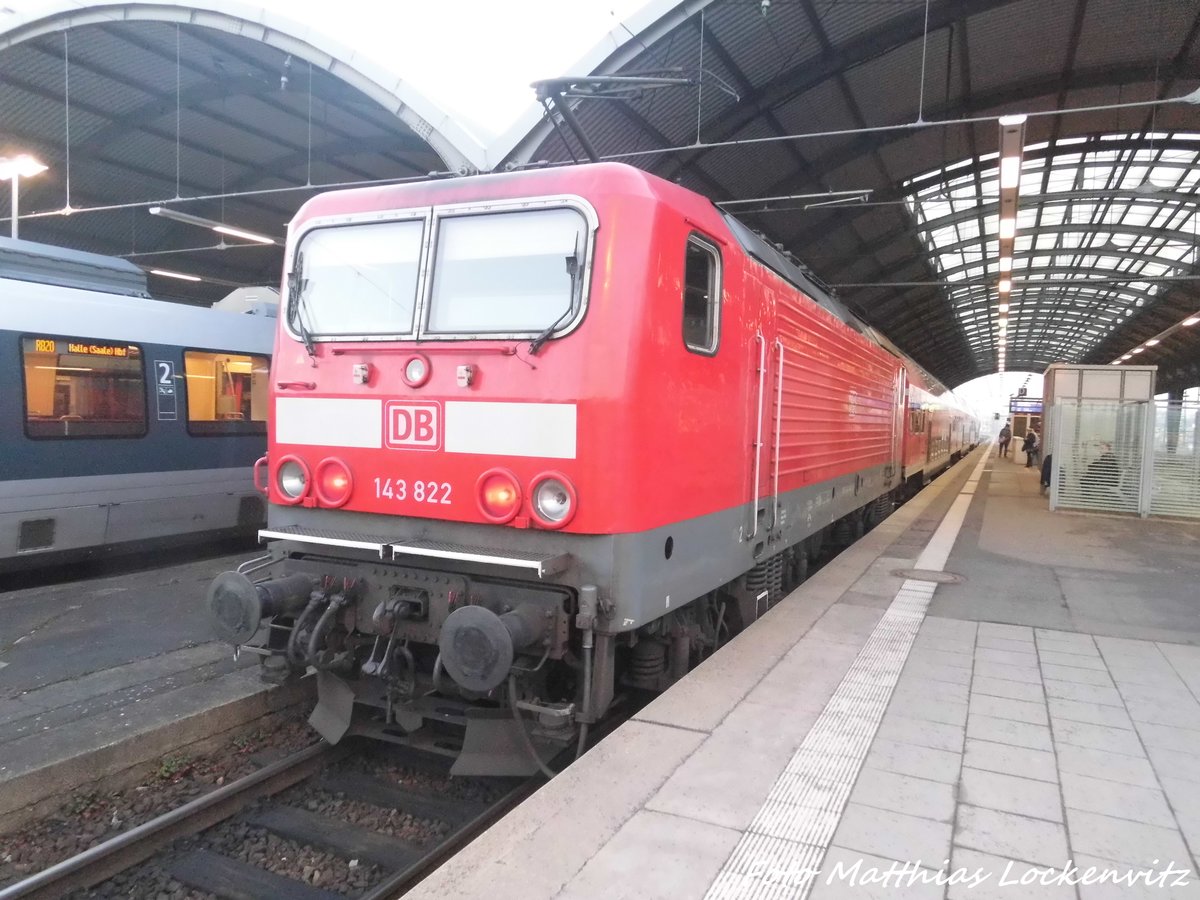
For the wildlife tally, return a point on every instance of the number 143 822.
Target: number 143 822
(421, 491)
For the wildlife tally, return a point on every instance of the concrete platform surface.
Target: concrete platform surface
(1020, 718)
(102, 676)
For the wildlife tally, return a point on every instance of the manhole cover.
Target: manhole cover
(929, 575)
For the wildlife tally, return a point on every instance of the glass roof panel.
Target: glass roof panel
(1115, 218)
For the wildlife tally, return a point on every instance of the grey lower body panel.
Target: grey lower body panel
(57, 515)
(635, 571)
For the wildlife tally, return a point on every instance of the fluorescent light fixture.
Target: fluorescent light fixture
(1004, 286)
(218, 227)
(1137, 350)
(1188, 323)
(1010, 172)
(167, 273)
(1127, 356)
(1152, 342)
(1013, 120)
(1008, 227)
(1006, 264)
(244, 235)
(1003, 307)
(22, 166)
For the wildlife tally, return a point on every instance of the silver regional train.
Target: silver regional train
(125, 422)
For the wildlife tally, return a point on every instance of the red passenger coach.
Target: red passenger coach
(542, 436)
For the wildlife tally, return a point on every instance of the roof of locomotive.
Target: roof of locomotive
(590, 180)
(598, 179)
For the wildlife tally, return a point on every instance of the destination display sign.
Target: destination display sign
(81, 348)
(1025, 406)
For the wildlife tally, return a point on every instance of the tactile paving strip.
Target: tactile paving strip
(780, 854)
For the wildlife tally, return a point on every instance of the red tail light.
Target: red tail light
(334, 482)
(499, 495)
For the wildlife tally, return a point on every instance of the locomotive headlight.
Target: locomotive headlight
(292, 479)
(499, 495)
(416, 371)
(554, 500)
(333, 482)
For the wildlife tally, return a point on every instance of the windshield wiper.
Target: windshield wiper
(573, 270)
(296, 286)
(536, 344)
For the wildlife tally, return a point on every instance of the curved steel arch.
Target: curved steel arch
(459, 149)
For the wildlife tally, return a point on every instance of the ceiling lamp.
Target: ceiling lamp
(14, 168)
(1012, 146)
(218, 227)
(182, 276)
(1162, 335)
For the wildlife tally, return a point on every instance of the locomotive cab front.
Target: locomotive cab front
(444, 473)
(539, 437)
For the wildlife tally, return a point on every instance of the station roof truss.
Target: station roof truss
(867, 130)
(1102, 222)
(858, 135)
(223, 112)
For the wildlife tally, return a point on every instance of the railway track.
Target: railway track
(401, 863)
(175, 842)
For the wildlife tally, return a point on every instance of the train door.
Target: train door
(899, 420)
(765, 368)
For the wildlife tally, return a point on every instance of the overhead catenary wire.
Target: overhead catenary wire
(1192, 98)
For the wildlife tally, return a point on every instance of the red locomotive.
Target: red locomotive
(537, 436)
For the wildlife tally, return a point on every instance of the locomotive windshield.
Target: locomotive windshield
(357, 279)
(506, 273)
(512, 273)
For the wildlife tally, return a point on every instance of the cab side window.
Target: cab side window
(701, 296)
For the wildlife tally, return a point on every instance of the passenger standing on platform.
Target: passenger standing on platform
(1005, 437)
(1030, 446)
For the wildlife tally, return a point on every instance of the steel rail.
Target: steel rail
(397, 885)
(131, 847)
(401, 882)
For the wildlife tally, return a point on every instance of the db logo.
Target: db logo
(412, 426)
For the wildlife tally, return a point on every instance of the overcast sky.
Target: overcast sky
(475, 58)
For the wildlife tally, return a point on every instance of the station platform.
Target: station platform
(979, 699)
(100, 677)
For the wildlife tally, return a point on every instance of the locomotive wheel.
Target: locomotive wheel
(814, 545)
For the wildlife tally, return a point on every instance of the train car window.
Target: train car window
(701, 296)
(507, 272)
(226, 393)
(81, 388)
(358, 279)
